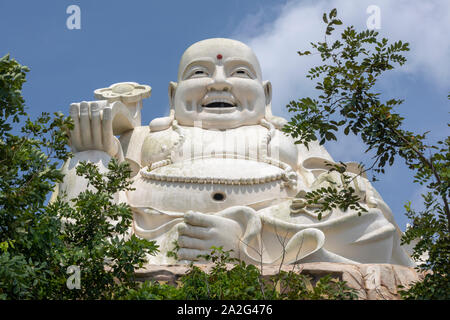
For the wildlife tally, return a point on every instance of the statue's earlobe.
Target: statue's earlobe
(278, 122)
(268, 92)
(159, 124)
(172, 89)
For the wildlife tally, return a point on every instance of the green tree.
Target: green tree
(348, 101)
(231, 279)
(96, 236)
(28, 171)
(36, 248)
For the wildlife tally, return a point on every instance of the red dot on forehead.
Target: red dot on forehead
(219, 56)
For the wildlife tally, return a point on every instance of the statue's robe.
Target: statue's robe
(174, 171)
(272, 233)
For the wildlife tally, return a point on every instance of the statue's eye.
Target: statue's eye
(198, 72)
(241, 73)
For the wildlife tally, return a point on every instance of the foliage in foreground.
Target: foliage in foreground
(352, 64)
(231, 279)
(96, 236)
(36, 248)
(430, 228)
(29, 157)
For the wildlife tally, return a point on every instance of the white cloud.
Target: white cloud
(425, 24)
(417, 202)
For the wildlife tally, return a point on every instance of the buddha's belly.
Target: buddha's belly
(209, 185)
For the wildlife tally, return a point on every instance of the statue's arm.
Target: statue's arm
(96, 125)
(93, 139)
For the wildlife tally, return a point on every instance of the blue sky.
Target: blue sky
(142, 41)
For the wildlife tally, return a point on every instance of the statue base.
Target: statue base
(371, 281)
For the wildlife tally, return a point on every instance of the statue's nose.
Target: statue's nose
(219, 81)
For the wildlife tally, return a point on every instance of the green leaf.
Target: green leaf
(333, 13)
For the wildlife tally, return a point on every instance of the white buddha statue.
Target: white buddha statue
(219, 172)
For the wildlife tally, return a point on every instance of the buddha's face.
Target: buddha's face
(219, 86)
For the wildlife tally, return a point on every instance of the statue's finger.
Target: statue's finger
(194, 231)
(85, 125)
(193, 243)
(107, 131)
(197, 219)
(75, 136)
(96, 126)
(191, 254)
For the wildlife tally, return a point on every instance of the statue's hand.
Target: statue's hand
(200, 232)
(92, 128)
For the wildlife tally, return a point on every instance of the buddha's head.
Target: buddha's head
(219, 86)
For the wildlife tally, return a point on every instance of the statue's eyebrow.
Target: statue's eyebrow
(202, 61)
(235, 61)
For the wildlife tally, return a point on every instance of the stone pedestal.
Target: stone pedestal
(372, 281)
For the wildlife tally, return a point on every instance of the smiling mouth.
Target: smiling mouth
(216, 105)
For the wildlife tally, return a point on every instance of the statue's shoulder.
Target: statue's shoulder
(133, 136)
(131, 142)
(139, 134)
(141, 145)
(158, 144)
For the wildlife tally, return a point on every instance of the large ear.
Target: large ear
(172, 89)
(278, 122)
(268, 92)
